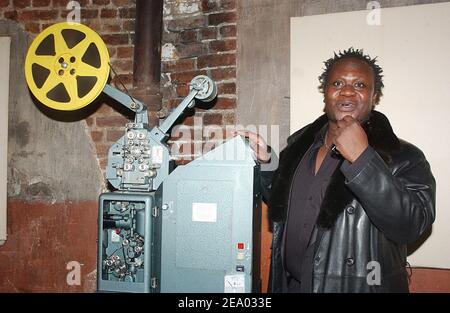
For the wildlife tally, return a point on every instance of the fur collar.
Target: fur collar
(381, 137)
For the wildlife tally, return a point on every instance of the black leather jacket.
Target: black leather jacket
(388, 204)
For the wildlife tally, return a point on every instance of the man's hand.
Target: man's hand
(349, 137)
(257, 143)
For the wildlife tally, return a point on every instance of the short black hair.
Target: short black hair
(356, 54)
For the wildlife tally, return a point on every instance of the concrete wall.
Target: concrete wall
(53, 183)
(263, 84)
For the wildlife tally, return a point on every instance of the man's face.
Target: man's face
(350, 90)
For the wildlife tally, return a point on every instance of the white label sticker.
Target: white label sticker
(204, 212)
(114, 236)
(234, 283)
(157, 155)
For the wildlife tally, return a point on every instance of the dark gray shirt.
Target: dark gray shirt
(308, 189)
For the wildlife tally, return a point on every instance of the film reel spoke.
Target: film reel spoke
(45, 61)
(71, 87)
(80, 48)
(52, 81)
(85, 69)
(60, 43)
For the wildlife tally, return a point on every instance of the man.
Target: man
(348, 195)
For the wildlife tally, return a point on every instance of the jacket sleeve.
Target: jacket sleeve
(400, 202)
(267, 174)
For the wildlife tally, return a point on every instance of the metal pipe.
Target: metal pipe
(147, 48)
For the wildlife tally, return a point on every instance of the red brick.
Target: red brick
(226, 88)
(114, 135)
(12, 15)
(90, 121)
(102, 149)
(191, 50)
(212, 119)
(112, 51)
(127, 12)
(4, 3)
(188, 120)
(63, 3)
(219, 18)
(108, 13)
(122, 65)
(168, 92)
(173, 103)
(101, 2)
(225, 103)
(170, 37)
(182, 132)
(121, 3)
(116, 39)
(20, 4)
(209, 5)
(28, 15)
(185, 77)
(228, 31)
(184, 160)
(229, 118)
(183, 65)
(94, 24)
(88, 13)
(126, 79)
(208, 33)
(128, 25)
(41, 3)
(222, 45)
(125, 52)
(33, 28)
(188, 36)
(111, 121)
(182, 90)
(186, 23)
(112, 26)
(97, 135)
(104, 109)
(215, 60)
(223, 74)
(103, 162)
(228, 4)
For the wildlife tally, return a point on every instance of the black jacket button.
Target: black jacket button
(350, 209)
(350, 261)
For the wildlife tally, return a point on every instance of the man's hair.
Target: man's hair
(359, 55)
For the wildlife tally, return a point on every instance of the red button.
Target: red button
(240, 246)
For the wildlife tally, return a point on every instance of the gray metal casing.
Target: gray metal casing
(211, 205)
(146, 223)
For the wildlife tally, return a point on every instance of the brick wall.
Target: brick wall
(114, 21)
(199, 38)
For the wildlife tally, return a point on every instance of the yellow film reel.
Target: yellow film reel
(67, 66)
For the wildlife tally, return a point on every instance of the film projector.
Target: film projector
(190, 228)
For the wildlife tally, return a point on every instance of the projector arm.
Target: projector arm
(201, 87)
(130, 103)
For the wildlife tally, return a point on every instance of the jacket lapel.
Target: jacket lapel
(381, 137)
